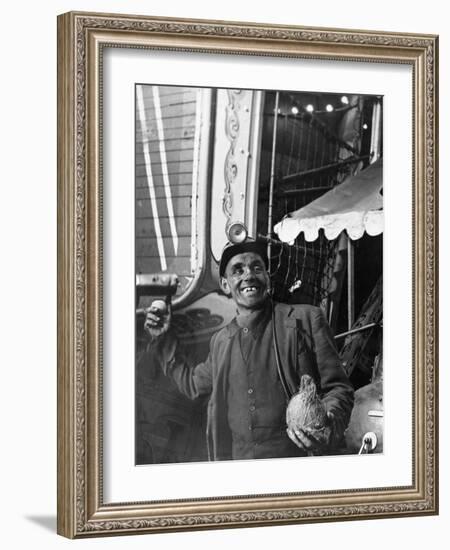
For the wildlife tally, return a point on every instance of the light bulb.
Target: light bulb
(329, 108)
(310, 108)
(344, 100)
(294, 110)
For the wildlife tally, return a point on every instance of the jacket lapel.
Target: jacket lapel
(286, 332)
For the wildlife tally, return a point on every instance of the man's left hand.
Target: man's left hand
(313, 440)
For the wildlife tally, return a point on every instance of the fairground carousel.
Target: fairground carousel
(301, 170)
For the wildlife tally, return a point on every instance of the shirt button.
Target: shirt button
(252, 408)
(250, 391)
(250, 428)
(245, 330)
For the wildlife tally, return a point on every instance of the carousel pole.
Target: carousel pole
(350, 283)
(272, 178)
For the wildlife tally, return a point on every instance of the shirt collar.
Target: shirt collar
(254, 322)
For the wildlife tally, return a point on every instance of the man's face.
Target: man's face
(246, 281)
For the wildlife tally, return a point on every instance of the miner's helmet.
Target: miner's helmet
(240, 242)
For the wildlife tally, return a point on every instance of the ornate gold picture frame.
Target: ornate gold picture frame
(83, 511)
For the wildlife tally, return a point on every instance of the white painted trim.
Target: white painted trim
(150, 183)
(165, 171)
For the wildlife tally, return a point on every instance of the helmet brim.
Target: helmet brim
(257, 246)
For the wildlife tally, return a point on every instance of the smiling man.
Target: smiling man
(255, 364)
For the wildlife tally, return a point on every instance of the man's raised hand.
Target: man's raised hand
(157, 318)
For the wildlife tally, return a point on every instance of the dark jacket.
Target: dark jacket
(306, 346)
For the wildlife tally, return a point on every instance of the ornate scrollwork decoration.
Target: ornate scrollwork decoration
(230, 166)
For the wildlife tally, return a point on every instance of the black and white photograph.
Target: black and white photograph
(227, 216)
(259, 274)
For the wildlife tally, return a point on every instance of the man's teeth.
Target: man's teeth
(250, 289)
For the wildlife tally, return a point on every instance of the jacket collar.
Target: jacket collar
(285, 310)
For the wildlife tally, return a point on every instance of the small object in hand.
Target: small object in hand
(159, 306)
(306, 412)
(157, 319)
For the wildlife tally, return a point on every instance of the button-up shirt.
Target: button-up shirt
(256, 401)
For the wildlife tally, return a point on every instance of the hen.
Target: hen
(306, 412)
